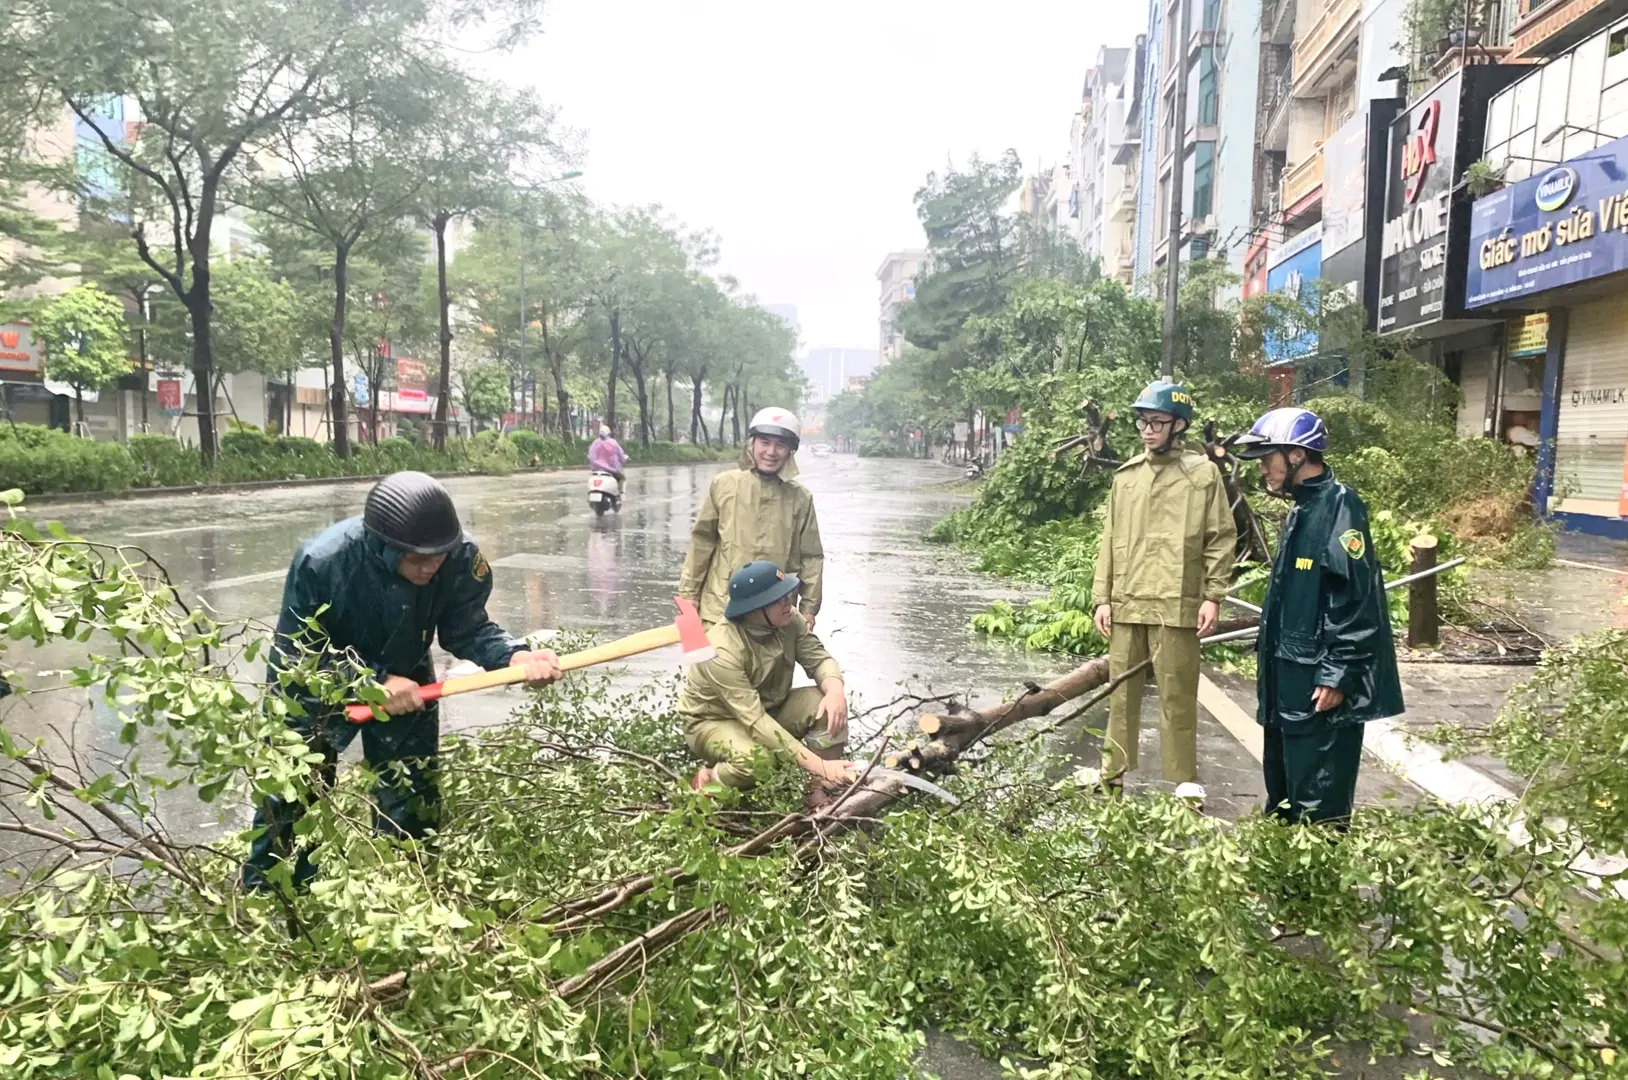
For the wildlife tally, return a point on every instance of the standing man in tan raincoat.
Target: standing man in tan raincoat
(1163, 567)
(739, 709)
(756, 512)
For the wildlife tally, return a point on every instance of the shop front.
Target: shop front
(1424, 245)
(1293, 272)
(1554, 248)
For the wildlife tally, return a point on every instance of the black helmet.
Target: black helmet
(412, 511)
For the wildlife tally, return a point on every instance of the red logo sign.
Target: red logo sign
(169, 395)
(9, 338)
(1419, 151)
(411, 379)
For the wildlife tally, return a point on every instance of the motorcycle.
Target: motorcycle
(604, 493)
(975, 470)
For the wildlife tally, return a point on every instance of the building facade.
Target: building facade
(828, 369)
(897, 277)
(1548, 260)
(1103, 198)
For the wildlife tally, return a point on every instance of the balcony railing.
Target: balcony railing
(1303, 179)
(1318, 47)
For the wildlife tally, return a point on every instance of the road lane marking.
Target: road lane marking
(246, 579)
(1591, 566)
(1421, 765)
(1227, 712)
(179, 529)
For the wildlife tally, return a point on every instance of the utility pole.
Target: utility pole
(523, 234)
(1178, 161)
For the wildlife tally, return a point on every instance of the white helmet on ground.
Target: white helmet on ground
(781, 423)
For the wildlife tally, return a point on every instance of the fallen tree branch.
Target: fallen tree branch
(615, 963)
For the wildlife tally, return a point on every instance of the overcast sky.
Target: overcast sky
(799, 131)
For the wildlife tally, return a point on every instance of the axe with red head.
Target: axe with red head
(686, 632)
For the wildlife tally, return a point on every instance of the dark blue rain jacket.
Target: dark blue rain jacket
(1326, 621)
(386, 620)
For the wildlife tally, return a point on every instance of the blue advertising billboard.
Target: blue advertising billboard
(1294, 270)
(1563, 226)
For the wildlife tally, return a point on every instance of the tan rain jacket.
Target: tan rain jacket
(1169, 543)
(750, 679)
(747, 517)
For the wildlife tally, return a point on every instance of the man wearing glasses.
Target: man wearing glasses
(1164, 564)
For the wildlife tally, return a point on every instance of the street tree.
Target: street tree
(657, 270)
(482, 140)
(203, 82)
(100, 248)
(486, 394)
(341, 176)
(256, 325)
(30, 245)
(973, 250)
(83, 338)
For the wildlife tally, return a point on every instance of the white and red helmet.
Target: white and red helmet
(778, 422)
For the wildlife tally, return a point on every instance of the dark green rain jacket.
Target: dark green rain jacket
(1326, 621)
(385, 619)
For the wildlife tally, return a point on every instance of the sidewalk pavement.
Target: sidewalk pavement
(1584, 591)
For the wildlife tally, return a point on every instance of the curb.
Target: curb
(61, 498)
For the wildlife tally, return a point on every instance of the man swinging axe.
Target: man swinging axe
(384, 586)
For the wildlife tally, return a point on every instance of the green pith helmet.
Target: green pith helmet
(757, 585)
(1164, 396)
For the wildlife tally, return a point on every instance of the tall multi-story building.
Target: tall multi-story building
(1148, 119)
(1102, 200)
(897, 277)
(1187, 142)
(828, 369)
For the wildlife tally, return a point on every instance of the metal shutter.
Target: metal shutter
(1472, 383)
(1593, 424)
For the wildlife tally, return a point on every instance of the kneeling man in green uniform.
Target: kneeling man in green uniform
(740, 706)
(1327, 664)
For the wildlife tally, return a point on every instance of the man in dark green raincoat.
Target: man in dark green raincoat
(1327, 664)
(384, 586)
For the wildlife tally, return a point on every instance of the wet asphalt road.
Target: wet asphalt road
(896, 611)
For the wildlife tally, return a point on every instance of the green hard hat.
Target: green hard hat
(1165, 396)
(757, 585)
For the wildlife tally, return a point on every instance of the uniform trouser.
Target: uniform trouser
(407, 800)
(1175, 652)
(1311, 771)
(728, 746)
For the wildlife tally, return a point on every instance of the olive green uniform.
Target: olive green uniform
(747, 517)
(1168, 546)
(741, 703)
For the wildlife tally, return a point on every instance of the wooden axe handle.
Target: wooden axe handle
(632, 645)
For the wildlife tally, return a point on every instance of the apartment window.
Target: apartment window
(1212, 14)
(1206, 102)
(1203, 177)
